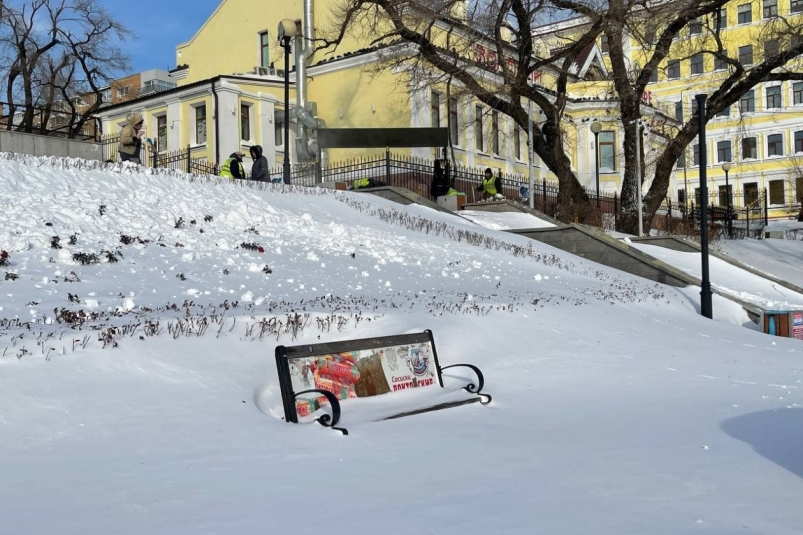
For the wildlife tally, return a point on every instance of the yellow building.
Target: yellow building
(760, 137)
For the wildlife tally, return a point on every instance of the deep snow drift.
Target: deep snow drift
(140, 395)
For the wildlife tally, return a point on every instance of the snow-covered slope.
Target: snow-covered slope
(617, 408)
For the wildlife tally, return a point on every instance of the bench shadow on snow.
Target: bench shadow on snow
(776, 435)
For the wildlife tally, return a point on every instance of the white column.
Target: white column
(228, 119)
(266, 110)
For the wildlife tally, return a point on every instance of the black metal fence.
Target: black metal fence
(178, 159)
(415, 174)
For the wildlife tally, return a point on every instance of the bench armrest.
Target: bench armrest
(325, 419)
(471, 387)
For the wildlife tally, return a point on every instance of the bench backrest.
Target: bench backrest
(354, 369)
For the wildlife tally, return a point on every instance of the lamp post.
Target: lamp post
(706, 308)
(287, 31)
(596, 128)
(727, 167)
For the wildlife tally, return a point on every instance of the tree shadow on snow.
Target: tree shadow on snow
(775, 434)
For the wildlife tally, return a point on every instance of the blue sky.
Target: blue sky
(159, 25)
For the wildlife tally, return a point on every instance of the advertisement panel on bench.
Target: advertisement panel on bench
(359, 374)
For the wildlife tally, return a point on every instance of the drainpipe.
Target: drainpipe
(217, 123)
(302, 54)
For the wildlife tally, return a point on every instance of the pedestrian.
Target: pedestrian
(233, 167)
(259, 170)
(490, 186)
(131, 140)
(440, 180)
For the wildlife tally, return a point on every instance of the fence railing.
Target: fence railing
(415, 174)
(150, 156)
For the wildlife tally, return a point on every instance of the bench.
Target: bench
(338, 373)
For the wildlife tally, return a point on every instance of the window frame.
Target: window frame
(264, 49)
(673, 66)
(747, 146)
(496, 145)
(697, 64)
(196, 108)
(721, 20)
(776, 192)
(161, 132)
(517, 142)
(478, 129)
(749, 192)
(798, 138)
(796, 6)
(770, 8)
(744, 16)
(245, 122)
(797, 93)
(604, 46)
(773, 98)
(771, 48)
(435, 109)
(696, 26)
(454, 121)
(720, 65)
(695, 155)
(746, 55)
(724, 151)
(607, 145)
(751, 100)
(775, 145)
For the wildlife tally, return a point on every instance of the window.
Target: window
(726, 112)
(720, 64)
(436, 109)
(654, 76)
(797, 93)
(682, 159)
(161, 133)
(517, 142)
(697, 196)
(777, 192)
(749, 148)
(750, 192)
(746, 55)
(478, 134)
(722, 18)
(106, 95)
(603, 44)
(453, 128)
(723, 151)
(775, 145)
(796, 6)
(264, 50)
(679, 110)
(697, 64)
(607, 151)
(495, 132)
(770, 9)
(724, 197)
(799, 188)
(245, 122)
(795, 41)
(693, 106)
(649, 33)
(773, 96)
(799, 141)
(673, 69)
(123, 91)
(747, 104)
(200, 124)
(278, 128)
(771, 48)
(745, 13)
(696, 26)
(681, 196)
(696, 154)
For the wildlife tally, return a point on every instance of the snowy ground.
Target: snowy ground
(617, 408)
(780, 258)
(505, 220)
(730, 279)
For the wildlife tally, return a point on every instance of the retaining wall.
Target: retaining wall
(36, 145)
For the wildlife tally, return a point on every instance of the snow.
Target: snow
(729, 279)
(617, 407)
(505, 220)
(782, 259)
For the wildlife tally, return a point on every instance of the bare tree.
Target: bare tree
(487, 53)
(59, 50)
(439, 47)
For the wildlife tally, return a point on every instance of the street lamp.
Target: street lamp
(727, 167)
(596, 128)
(287, 31)
(706, 307)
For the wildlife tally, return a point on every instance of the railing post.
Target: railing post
(387, 166)
(154, 154)
(766, 207)
(189, 162)
(747, 214)
(543, 195)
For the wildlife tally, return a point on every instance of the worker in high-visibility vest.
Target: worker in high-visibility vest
(233, 167)
(491, 185)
